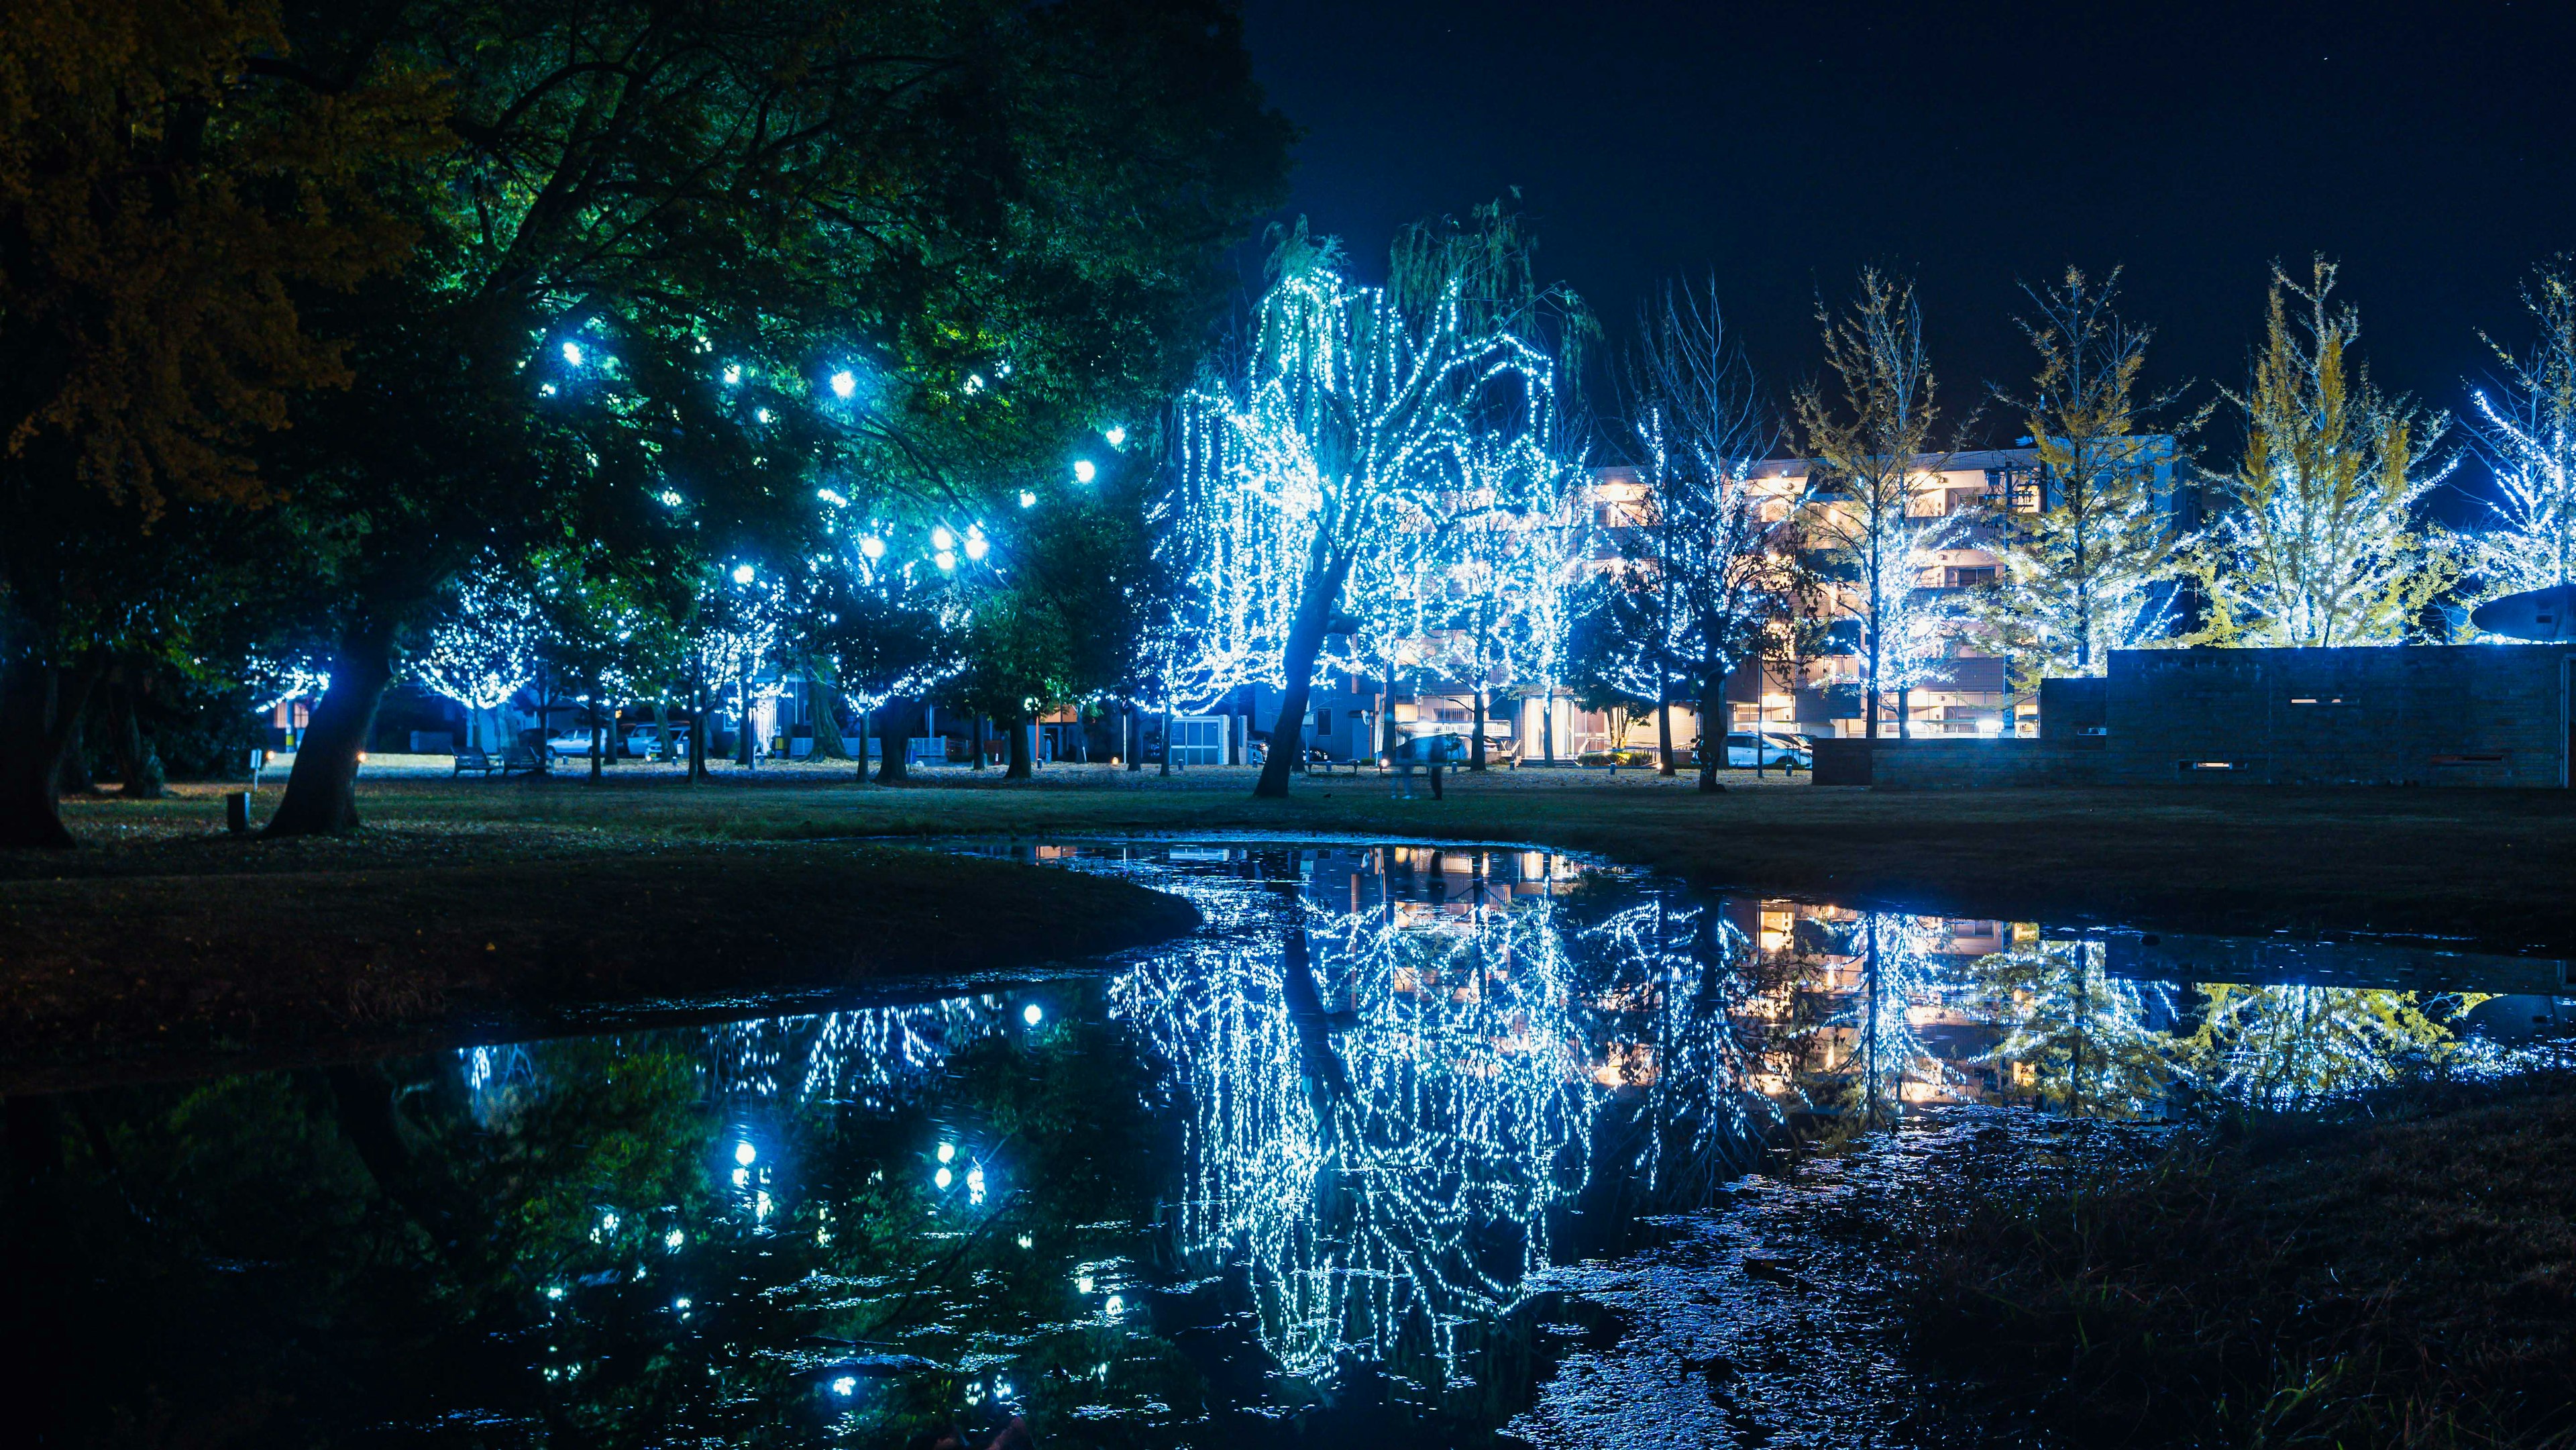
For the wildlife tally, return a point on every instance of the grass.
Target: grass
(2404, 1278)
(173, 950)
(488, 901)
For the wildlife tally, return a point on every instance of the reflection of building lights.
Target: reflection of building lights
(744, 574)
(947, 1152)
(942, 1178)
(742, 1178)
(745, 1154)
(760, 1204)
(847, 1384)
(674, 1239)
(1033, 1014)
(1114, 1307)
(975, 1184)
(944, 559)
(872, 547)
(1082, 1284)
(940, 538)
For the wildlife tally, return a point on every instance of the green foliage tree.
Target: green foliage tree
(689, 266)
(163, 199)
(2092, 565)
(2322, 546)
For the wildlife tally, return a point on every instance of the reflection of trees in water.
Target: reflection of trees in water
(2082, 1040)
(2284, 1046)
(1384, 1112)
(873, 1057)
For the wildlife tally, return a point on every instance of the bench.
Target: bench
(475, 761)
(521, 760)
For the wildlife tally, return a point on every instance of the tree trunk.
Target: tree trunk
(36, 715)
(1664, 719)
(1305, 641)
(697, 724)
(598, 742)
(1712, 705)
(892, 768)
(1904, 711)
(746, 750)
(1023, 750)
(662, 729)
(1167, 738)
(828, 744)
(861, 716)
(138, 766)
(322, 791)
(1135, 727)
(1476, 747)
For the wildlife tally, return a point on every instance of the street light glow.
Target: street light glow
(1083, 471)
(743, 574)
(843, 384)
(572, 353)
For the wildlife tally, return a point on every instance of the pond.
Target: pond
(1330, 1167)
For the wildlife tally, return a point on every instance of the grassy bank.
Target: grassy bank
(2407, 1278)
(2489, 867)
(487, 901)
(173, 949)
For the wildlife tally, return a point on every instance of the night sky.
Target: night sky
(2431, 149)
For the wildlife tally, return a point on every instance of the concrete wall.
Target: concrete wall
(1977, 764)
(2392, 715)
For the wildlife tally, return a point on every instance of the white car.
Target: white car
(570, 745)
(1781, 750)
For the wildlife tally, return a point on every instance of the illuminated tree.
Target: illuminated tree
(1348, 413)
(486, 649)
(1720, 553)
(2526, 431)
(1876, 514)
(2321, 546)
(689, 266)
(2292, 1046)
(2093, 565)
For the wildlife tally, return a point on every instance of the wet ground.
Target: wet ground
(1407, 1145)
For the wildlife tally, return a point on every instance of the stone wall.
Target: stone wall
(2391, 715)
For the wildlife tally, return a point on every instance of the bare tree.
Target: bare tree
(1874, 506)
(1718, 548)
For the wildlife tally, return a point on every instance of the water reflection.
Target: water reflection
(1291, 1177)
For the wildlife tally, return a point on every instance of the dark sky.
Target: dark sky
(2430, 148)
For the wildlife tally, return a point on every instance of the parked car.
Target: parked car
(570, 745)
(1744, 749)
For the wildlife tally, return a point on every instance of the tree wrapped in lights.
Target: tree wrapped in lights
(2322, 546)
(1349, 408)
(2293, 1046)
(485, 650)
(1717, 549)
(1876, 515)
(2526, 430)
(2093, 564)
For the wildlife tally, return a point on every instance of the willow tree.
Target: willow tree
(1876, 515)
(1719, 548)
(2526, 430)
(1350, 409)
(2094, 565)
(2321, 546)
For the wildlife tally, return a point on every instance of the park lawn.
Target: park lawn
(482, 906)
(171, 952)
(2490, 868)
